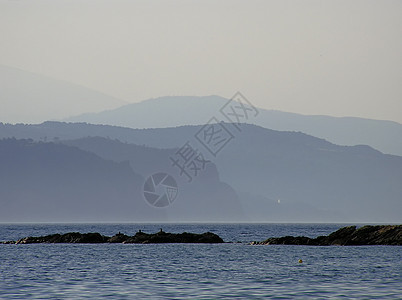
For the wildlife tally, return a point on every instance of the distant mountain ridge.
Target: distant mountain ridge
(64, 182)
(279, 176)
(46, 182)
(385, 136)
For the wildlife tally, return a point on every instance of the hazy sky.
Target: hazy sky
(314, 57)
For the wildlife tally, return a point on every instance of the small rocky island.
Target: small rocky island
(346, 236)
(139, 238)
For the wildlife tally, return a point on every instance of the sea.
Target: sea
(233, 270)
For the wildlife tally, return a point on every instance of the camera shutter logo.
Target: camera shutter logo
(160, 190)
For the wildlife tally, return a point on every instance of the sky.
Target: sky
(340, 58)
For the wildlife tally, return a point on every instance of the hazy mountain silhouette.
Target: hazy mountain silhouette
(31, 98)
(343, 182)
(50, 182)
(46, 182)
(204, 198)
(385, 136)
(314, 180)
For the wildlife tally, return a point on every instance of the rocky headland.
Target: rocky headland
(346, 236)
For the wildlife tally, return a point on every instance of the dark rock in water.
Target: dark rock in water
(71, 237)
(346, 236)
(138, 238)
(118, 238)
(164, 237)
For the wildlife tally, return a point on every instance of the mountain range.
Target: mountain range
(34, 98)
(59, 182)
(259, 175)
(31, 98)
(385, 136)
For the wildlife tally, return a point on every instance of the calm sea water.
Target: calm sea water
(187, 271)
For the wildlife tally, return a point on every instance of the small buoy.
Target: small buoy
(300, 261)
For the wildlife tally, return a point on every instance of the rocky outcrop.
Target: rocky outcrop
(346, 236)
(138, 238)
(164, 237)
